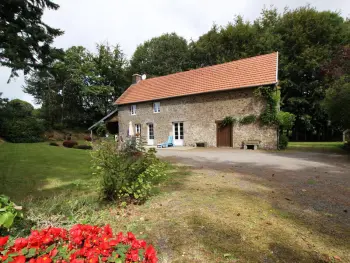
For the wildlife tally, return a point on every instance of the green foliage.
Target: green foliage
(83, 147)
(126, 174)
(283, 142)
(228, 120)
(337, 102)
(248, 119)
(25, 39)
(285, 120)
(8, 212)
(160, 56)
(101, 129)
(271, 97)
(20, 130)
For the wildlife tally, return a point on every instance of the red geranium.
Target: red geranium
(81, 244)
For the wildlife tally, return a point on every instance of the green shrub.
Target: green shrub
(53, 144)
(83, 147)
(228, 120)
(285, 120)
(126, 174)
(21, 130)
(8, 212)
(248, 119)
(283, 142)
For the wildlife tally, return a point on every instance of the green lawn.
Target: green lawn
(39, 170)
(317, 146)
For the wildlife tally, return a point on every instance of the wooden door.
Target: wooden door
(223, 135)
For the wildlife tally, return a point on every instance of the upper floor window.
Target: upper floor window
(133, 109)
(156, 107)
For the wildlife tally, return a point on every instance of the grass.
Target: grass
(197, 216)
(317, 146)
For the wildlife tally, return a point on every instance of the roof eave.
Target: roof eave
(228, 89)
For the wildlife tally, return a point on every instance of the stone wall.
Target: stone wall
(199, 114)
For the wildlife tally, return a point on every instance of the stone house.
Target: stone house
(191, 105)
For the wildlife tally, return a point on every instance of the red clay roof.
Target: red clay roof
(248, 72)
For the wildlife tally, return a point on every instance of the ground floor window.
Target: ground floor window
(138, 129)
(150, 131)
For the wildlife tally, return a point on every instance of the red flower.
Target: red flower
(53, 252)
(19, 259)
(44, 259)
(3, 240)
(32, 260)
(93, 260)
(150, 255)
(20, 243)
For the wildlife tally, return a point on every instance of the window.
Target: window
(156, 107)
(179, 130)
(133, 109)
(138, 129)
(150, 131)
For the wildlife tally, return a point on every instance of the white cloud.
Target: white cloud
(131, 22)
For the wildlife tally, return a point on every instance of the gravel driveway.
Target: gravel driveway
(316, 184)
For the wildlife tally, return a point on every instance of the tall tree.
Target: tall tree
(25, 40)
(161, 56)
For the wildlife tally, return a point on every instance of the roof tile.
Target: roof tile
(248, 72)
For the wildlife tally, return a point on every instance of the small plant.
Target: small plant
(9, 211)
(87, 138)
(69, 144)
(82, 243)
(53, 144)
(83, 147)
(248, 119)
(128, 174)
(228, 120)
(283, 142)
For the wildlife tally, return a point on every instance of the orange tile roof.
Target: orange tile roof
(248, 72)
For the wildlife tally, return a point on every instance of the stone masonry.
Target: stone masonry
(199, 113)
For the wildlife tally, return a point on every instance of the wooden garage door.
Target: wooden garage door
(223, 135)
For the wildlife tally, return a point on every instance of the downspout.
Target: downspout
(279, 102)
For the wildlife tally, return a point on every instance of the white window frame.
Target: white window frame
(133, 109)
(156, 107)
(138, 128)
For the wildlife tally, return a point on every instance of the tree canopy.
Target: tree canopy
(25, 40)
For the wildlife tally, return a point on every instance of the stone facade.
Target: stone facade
(199, 114)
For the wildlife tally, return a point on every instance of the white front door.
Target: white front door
(150, 134)
(178, 131)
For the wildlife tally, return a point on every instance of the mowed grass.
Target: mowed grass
(335, 147)
(197, 215)
(39, 170)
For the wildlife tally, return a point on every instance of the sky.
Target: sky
(131, 22)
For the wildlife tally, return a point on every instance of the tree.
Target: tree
(25, 40)
(161, 56)
(337, 102)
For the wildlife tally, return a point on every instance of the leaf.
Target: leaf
(31, 253)
(9, 259)
(6, 219)
(50, 248)
(24, 251)
(227, 255)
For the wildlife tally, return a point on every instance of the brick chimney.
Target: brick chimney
(136, 78)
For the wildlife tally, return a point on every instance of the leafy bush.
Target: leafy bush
(53, 144)
(128, 174)
(248, 119)
(82, 243)
(21, 130)
(228, 120)
(87, 138)
(8, 212)
(285, 120)
(283, 142)
(83, 147)
(69, 143)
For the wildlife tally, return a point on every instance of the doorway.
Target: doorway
(178, 131)
(150, 134)
(223, 135)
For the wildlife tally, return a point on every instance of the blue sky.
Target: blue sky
(131, 22)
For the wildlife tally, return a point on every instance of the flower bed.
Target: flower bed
(81, 244)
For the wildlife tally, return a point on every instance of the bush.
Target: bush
(248, 119)
(87, 138)
(82, 243)
(53, 144)
(128, 174)
(21, 130)
(83, 147)
(69, 144)
(8, 212)
(283, 142)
